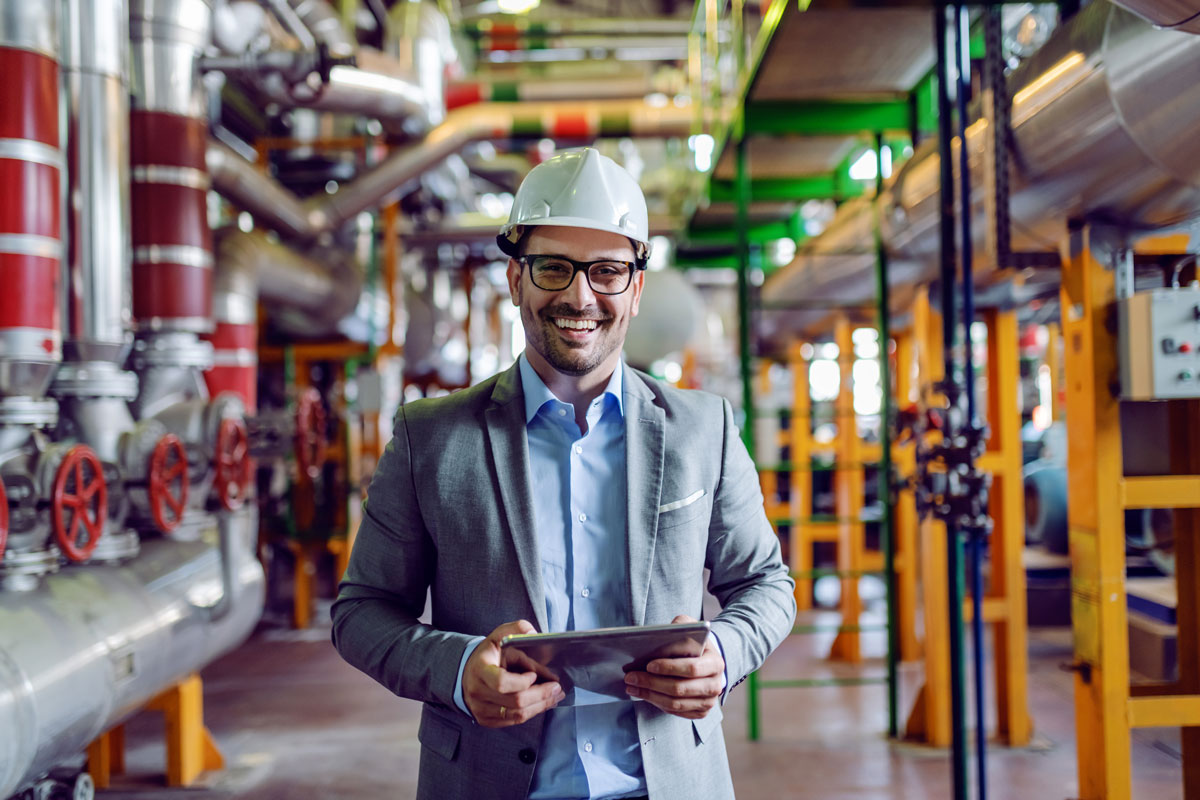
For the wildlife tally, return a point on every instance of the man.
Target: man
(568, 493)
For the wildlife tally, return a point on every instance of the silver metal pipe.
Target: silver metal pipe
(266, 199)
(90, 646)
(320, 291)
(652, 26)
(376, 88)
(1102, 124)
(323, 22)
(166, 38)
(95, 67)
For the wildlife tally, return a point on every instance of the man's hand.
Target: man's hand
(498, 698)
(685, 687)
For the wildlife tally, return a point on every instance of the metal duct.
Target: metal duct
(325, 26)
(263, 196)
(31, 164)
(1103, 119)
(324, 288)
(72, 666)
(99, 300)
(1183, 15)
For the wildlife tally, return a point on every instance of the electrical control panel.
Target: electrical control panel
(1160, 344)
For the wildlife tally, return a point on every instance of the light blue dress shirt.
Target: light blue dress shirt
(590, 749)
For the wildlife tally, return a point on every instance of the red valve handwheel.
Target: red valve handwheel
(75, 493)
(310, 433)
(233, 463)
(165, 473)
(3, 519)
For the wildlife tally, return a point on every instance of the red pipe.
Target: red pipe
(172, 244)
(235, 362)
(30, 224)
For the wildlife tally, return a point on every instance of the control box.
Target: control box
(1160, 344)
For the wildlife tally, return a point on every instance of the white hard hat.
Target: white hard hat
(579, 189)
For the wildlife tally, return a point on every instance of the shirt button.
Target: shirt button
(583, 517)
(586, 591)
(527, 756)
(578, 449)
(562, 412)
(587, 746)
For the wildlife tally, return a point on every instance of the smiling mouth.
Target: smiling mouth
(575, 324)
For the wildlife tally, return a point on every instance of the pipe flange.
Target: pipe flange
(116, 546)
(20, 571)
(94, 379)
(34, 412)
(172, 350)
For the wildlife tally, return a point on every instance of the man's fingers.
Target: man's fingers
(704, 665)
(687, 707)
(500, 711)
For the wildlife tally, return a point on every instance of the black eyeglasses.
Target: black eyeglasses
(555, 273)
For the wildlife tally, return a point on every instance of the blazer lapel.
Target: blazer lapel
(509, 447)
(644, 444)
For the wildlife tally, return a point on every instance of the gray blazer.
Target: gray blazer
(450, 511)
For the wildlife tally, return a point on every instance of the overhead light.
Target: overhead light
(517, 6)
(865, 169)
(702, 145)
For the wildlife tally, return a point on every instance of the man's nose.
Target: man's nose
(579, 293)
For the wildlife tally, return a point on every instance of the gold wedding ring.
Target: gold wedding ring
(503, 712)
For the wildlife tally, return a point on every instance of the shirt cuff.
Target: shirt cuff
(724, 674)
(458, 682)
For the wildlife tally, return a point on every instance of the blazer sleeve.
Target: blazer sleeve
(747, 575)
(375, 625)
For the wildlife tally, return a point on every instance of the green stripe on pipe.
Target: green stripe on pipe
(528, 126)
(615, 123)
(506, 92)
(808, 683)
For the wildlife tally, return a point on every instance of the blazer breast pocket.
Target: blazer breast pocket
(685, 509)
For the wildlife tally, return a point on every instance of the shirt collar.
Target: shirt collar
(537, 394)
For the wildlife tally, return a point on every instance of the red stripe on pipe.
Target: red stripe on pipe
(159, 138)
(503, 45)
(168, 291)
(29, 297)
(571, 125)
(28, 96)
(463, 94)
(167, 214)
(504, 29)
(29, 198)
(243, 380)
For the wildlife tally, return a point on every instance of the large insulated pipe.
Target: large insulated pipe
(320, 290)
(31, 165)
(95, 65)
(1182, 15)
(172, 245)
(89, 647)
(269, 201)
(1102, 118)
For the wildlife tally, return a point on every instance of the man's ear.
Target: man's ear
(639, 280)
(514, 281)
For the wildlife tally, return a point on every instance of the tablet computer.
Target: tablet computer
(594, 662)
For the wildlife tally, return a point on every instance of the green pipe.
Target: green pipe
(806, 629)
(743, 248)
(808, 683)
(886, 528)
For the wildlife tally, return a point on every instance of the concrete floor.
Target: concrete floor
(294, 721)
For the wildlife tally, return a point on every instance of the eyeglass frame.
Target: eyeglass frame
(581, 266)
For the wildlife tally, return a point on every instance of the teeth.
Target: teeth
(576, 324)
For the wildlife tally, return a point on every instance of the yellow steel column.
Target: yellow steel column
(1007, 507)
(848, 494)
(929, 720)
(1054, 365)
(905, 519)
(190, 747)
(1097, 536)
(800, 449)
(1185, 459)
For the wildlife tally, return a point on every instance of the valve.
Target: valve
(232, 464)
(79, 503)
(3, 518)
(166, 473)
(310, 433)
